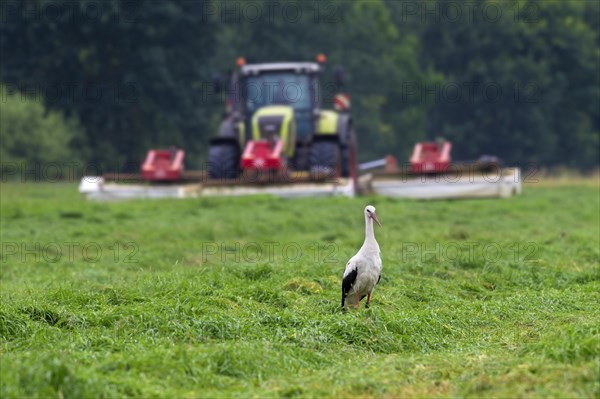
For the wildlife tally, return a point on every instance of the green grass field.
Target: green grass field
(240, 297)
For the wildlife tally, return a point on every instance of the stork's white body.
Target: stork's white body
(363, 270)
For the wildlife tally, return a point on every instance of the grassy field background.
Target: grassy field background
(240, 297)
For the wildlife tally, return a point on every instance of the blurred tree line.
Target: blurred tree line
(514, 78)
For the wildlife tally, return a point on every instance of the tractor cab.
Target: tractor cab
(281, 84)
(274, 121)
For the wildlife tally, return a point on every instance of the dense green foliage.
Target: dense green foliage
(131, 71)
(29, 133)
(535, 81)
(517, 79)
(172, 298)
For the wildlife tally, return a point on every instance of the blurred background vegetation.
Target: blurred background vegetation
(104, 81)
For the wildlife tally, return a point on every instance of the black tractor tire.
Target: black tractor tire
(301, 157)
(324, 158)
(348, 159)
(345, 160)
(347, 150)
(224, 160)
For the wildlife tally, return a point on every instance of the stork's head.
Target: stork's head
(370, 214)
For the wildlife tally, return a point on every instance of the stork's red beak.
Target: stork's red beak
(374, 216)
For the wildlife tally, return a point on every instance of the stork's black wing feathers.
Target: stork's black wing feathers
(348, 281)
(379, 278)
(347, 284)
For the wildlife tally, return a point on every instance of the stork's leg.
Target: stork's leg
(357, 299)
(368, 300)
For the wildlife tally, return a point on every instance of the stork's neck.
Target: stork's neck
(369, 233)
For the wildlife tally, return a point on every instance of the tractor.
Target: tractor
(275, 138)
(274, 124)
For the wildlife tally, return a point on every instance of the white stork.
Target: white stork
(363, 270)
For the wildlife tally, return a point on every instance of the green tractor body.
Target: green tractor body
(274, 121)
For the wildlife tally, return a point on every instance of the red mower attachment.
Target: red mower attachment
(430, 157)
(261, 155)
(163, 165)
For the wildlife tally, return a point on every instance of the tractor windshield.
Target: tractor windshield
(282, 88)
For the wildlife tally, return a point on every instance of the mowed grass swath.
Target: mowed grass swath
(241, 297)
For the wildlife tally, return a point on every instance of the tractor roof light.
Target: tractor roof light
(241, 61)
(321, 58)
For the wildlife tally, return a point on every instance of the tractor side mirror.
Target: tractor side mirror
(339, 76)
(217, 83)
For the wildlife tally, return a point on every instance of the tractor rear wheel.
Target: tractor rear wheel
(324, 158)
(348, 157)
(301, 156)
(224, 159)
